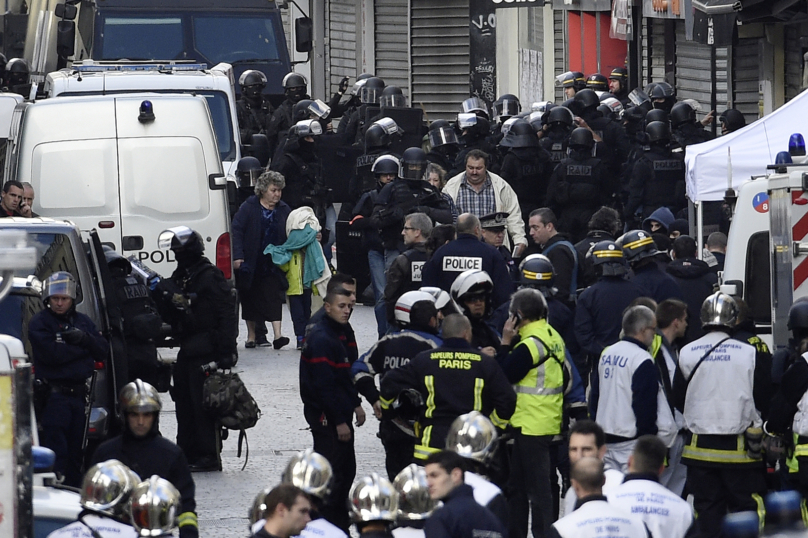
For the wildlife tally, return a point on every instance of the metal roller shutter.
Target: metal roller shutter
(340, 46)
(392, 41)
(440, 56)
(694, 72)
(794, 52)
(560, 45)
(746, 74)
(653, 42)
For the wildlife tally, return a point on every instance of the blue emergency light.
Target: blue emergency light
(783, 157)
(796, 145)
(43, 458)
(146, 112)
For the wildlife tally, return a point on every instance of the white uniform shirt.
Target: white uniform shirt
(599, 519)
(664, 513)
(800, 424)
(106, 527)
(316, 528)
(613, 480)
(408, 532)
(484, 491)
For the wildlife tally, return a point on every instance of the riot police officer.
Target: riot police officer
(662, 95)
(106, 492)
(146, 452)
(685, 128)
(254, 109)
(444, 146)
(370, 94)
(658, 177)
(577, 187)
(417, 317)
(294, 87)
(731, 120)
(248, 170)
(474, 135)
(556, 132)
(597, 83)
(475, 105)
(615, 142)
(18, 77)
(526, 167)
(618, 84)
(572, 82)
(346, 110)
(200, 305)
(379, 138)
(66, 345)
(639, 251)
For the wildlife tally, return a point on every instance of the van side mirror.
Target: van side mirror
(304, 34)
(66, 11)
(65, 38)
(259, 148)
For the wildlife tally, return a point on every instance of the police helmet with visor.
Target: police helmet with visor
(597, 82)
(60, 283)
(372, 90)
(385, 164)
(520, 135)
(536, 271)
(507, 106)
(637, 245)
(181, 238)
(392, 96)
(607, 257)
(471, 284)
(252, 82)
(407, 302)
(442, 136)
(473, 105)
(248, 170)
(413, 164)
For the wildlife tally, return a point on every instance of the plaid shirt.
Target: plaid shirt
(477, 203)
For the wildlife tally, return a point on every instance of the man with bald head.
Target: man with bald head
(593, 514)
(465, 253)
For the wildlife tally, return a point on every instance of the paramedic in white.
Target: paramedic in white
(595, 517)
(624, 393)
(664, 513)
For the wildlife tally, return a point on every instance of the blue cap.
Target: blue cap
(741, 525)
(783, 157)
(796, 145)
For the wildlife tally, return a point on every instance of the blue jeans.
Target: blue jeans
(378, 281)
(300, 309)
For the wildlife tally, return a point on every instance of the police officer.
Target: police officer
(248, 170)
(253, 108)
(685, 128)
(105, 495)
(378, 139)
(200, 306)
(153, 500)
(417, 317)
(731, 120)
(471, 295)
(348, 109)
(592, 512)
(798, 325)
(414, 503)
(465, 253)
(474, 135)
(374, 506)
(493, 228)
(572, 82)
(616, 145)
(405, 273)
(618, 84)
(601, 306)
(725, 469)
(444, 146)
(535, 366)
(577, 187)
(556, 132)
(294, 87)
(461, 380)
(526, 167)
(662, 95)
(18, 77)
(147, 453)
(409, 193)
(370, 93)
(66, 345)
(604, 225)
(639, 251)
(597, 83)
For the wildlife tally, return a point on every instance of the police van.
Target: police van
(127, 165)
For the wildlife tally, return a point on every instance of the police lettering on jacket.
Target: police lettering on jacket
(455, 360)
(668, 164)
(462, 263)
(579, 170)
(415, 270)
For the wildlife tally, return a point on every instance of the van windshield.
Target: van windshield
(222, 123)
(203, 37)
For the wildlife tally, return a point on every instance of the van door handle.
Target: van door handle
(132, 242)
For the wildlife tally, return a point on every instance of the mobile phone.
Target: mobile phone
(517, 318)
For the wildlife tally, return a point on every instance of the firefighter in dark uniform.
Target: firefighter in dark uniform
(465, 253)
(639, 251)
(405, 273)
(444, 146)
(471, 294)
(294, 87)
(493, 230)
(556, 132)
(146, 452)
(452, 379)
(685, 128)
(417, 318)
(618, 84)
(600, 307)
(615, 142)
(200, 306)
(658, 177)
(253, 108)
(526, 167)
(577, 187)
(66, 345)
(723, 391)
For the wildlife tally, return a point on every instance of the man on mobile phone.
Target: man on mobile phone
(27, 203)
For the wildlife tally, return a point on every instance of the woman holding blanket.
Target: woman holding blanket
(261, 221)
(301, 258)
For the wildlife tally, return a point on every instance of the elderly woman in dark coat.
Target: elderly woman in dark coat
(260, 221)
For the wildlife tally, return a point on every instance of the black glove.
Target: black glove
(227, 361)
(343, 85)
(75, 337)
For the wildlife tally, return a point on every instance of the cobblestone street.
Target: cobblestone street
(223, 499)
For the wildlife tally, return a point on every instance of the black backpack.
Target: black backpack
(226, 397)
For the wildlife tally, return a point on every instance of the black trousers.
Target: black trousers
(197, 433)
(529, 486)
(398, 448)
(341, 456)
(718, 491)
(62, 431)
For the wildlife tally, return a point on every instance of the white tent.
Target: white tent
(751, 149)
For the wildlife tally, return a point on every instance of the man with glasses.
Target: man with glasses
(625, 387)
(404, 273)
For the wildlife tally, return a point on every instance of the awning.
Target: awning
(714, 21)
(583, 5)
(773, 10)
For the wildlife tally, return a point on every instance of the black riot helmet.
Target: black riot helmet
(392, 96)
(560, 115)
(294, 86)
(507, 106)
(382, 133)
(385, 164)
(588, 99)
(300, 111)
(413, 164)
(573, 79)
(662, 96)
(640, 99)
(658, 132)
(657, 114)
(607, 257)
(637, 245)
(372, 91)
(187, 245)
(520, 135)
(731, 120)
(581, 138)
(621, 74)
(252, 83)
(248, 170)
(536, 271)
(441, 133)
(473, 126)
(798, 319)
(682, 114)
(597, 82)
(17, 72)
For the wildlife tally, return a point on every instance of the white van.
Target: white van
(127, 165)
